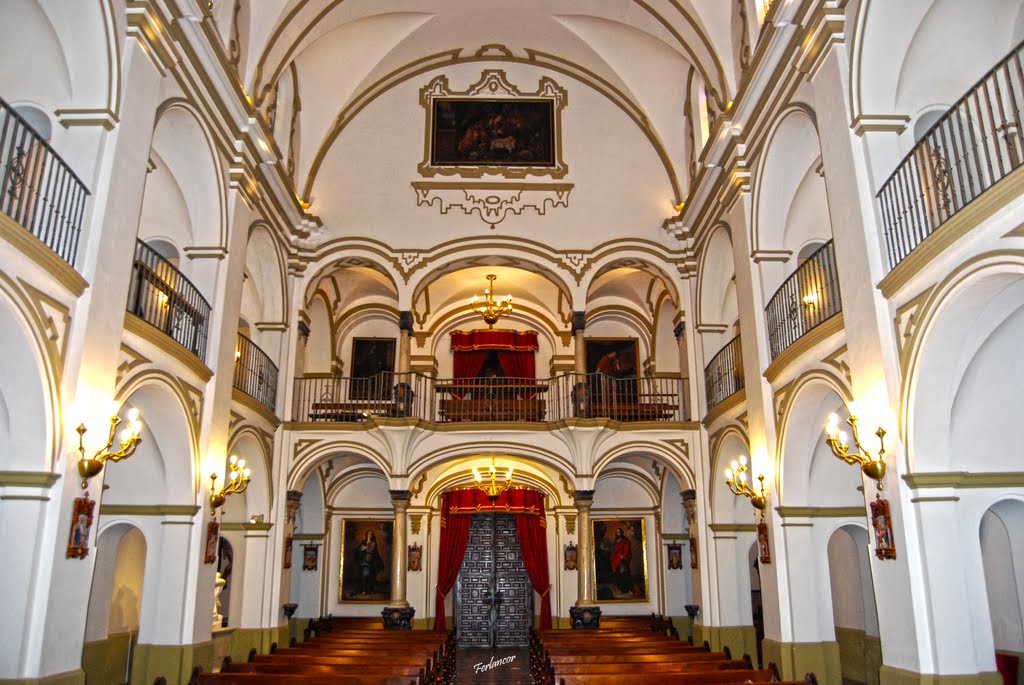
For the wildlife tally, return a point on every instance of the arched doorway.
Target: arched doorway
(853, 605)
(1002, 555)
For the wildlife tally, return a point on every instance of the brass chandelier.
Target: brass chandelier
(492, 489)
(490, 309)
(736, 479)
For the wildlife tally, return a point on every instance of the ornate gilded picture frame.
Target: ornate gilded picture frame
(493, 128)
(620, 560)
(365, 576)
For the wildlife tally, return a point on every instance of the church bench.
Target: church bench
(658, 666)
(632, 678)
(390, 669)
(350, 412)
(685, 676)
(456, 410)
(297, 679)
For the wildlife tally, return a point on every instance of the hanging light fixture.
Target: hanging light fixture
(837, 440)
(238, 481)
(736, 479)
(492, 488)
(490, 309)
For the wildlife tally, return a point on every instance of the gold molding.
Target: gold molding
(308, 537)
(953, 231)
(722, 408)
(820, 333)
(28, 479)
(822, 512)
(492, 202)
(732, 528)
(148, 510)
(964, 479)
(158, 338)
(255, 406)
(32, 247)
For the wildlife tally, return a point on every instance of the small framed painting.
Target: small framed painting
(81, 525)
(415, 557)
(572, 561)
(764, 552)
(365, 561)
(288, 552)
(675, 556)
(885, 546)
(373, 359)
(620, 560)
(212, 540)
(310, 557)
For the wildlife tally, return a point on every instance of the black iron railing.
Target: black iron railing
(807, 298)
(976, 143)
(723, 376)
(37, 189)
(255, 374)
(334, 398)
(162, 296)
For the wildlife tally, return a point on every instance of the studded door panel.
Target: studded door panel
(493, 549)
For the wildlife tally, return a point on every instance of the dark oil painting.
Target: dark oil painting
(620, 560)
(373, 359)
(365, 561)
(475, 132)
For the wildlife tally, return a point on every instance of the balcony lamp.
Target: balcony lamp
(238, 481)
(491, 488)
(736, 479)
(490, 309)
(129, 440)
(837, 440)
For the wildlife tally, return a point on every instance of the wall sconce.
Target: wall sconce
(89, 467)
(837, 440)
(736, 479)
(811, 299)
(238, 481)
(492, 488)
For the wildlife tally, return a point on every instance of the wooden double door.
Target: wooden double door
(494, 598)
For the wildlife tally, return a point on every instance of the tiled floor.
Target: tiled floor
(503, 666)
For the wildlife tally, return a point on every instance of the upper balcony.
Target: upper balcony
(163, 297)
(973, 146)
(37, 188)
(723, 376)
(809, 297)
(534, 400)
(255, 375)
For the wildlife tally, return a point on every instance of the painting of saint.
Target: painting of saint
(506, 132)
(365, 561)
(81, 524)
(885, 547)
(675, 557)
(620, 560)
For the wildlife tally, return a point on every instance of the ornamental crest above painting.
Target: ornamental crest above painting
(489, 139)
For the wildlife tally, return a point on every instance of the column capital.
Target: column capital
(579, 321)
(405, 320)
(400, 499)
(583, 498)
(293, 499)
(680, 329)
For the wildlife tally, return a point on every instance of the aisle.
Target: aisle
(503, 666)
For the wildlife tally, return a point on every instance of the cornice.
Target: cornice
(822, 512)
(963, 479)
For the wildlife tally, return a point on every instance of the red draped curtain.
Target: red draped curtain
(494, 339)
(531, 527)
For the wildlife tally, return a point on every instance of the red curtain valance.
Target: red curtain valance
(512, 501)
(493, 339)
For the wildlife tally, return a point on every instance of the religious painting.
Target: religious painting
(81, 524)
(505, 132)
(675, 556)
(288, 552)
(212, 542)
(693, 553)
(620, 560)
(763, 551)
(885, 544)
(310, 557)
(365, 561)
(373, 360)
(415, 557)
(572, 561)
(612, 370)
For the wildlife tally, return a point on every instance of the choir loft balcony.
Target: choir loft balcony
(972, 147)
(163, 297)
(37, 188)
(723, 376)
(255, 375)
(468, 400)
(807, 299)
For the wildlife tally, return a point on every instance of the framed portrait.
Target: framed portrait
(493, 127)
(310, 557)
(572, 559)
(372, 360)
(288, 541)
(763, 551)
(415, 557)
(675, 556)
(212, 542)
(81, 525)
(885, 545)
(365, 561)
(694, 562)
(620, 560)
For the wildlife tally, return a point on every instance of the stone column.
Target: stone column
(293, 500)
(690, 514)
(580, 396)
(586, 613)
(398, 613)
(403, 382)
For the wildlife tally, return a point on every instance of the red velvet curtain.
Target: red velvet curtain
(468, 364)
(518, 366)
(454, 536)
(528, 506)
(491, 339)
